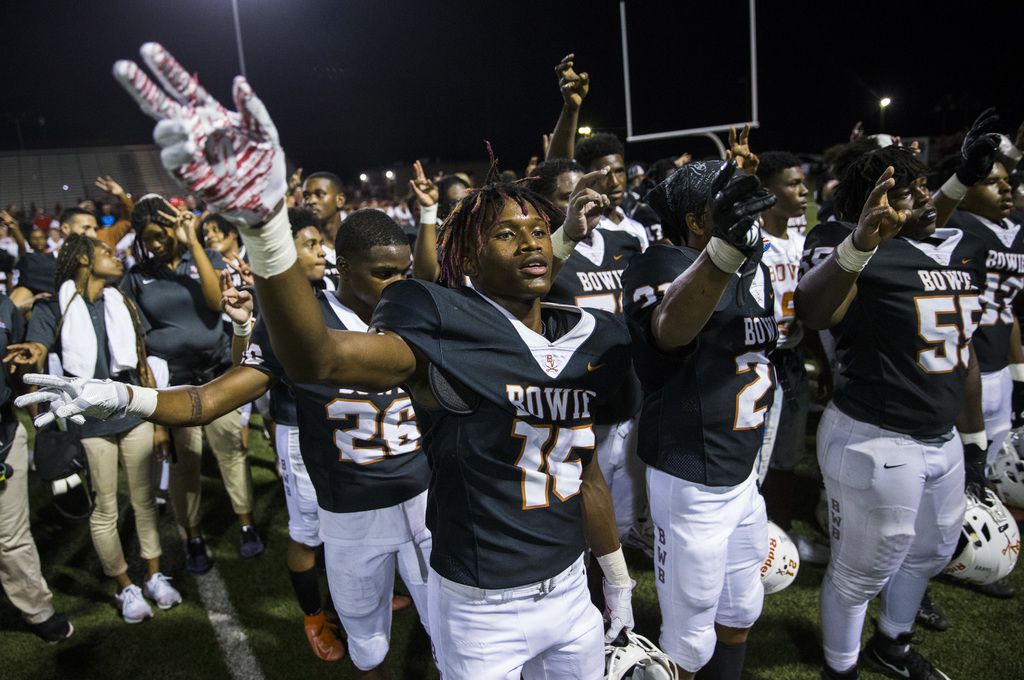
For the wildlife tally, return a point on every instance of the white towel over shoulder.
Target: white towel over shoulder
(78, 337)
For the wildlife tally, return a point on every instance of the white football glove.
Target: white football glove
(618, 608)
(233, 160)
(74, 398)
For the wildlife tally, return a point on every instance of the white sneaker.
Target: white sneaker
(133, 606)
(160, 590)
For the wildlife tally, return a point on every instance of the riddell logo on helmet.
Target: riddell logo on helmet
(773, 543)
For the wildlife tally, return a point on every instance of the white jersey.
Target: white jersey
(628, 225)
(783, 262)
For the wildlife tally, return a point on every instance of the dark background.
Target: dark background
(360, 85)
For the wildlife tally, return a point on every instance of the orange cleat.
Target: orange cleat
(399, 602)
(323, 638)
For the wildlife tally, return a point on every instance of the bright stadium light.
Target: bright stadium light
(363, 177)
(584, 130)
(390, 174)
(884, 101)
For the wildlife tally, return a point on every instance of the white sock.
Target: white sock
(901, 598)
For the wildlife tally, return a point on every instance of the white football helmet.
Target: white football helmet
(1007, 471)
(783, 561)
(989, 542)
(637, 659)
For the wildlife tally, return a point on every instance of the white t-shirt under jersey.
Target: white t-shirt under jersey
(783, 262)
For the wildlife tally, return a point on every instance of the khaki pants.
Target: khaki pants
(20, 573)
(225, 438)
(134, 449)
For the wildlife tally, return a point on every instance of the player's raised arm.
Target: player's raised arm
(234, 161)
(826, 291)
(977, 154)
(574, 88)
(424, 258)
(733, 206)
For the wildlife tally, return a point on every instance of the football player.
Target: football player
(902, 299)
(985, 212)
(502, 384)
(323, 195)
(702, 314)
(592, 277)
(786, 424)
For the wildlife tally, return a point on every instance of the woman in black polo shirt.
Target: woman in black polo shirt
(176, 287)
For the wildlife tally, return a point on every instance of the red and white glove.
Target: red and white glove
(232, 159)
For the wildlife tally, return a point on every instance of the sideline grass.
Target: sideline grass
(982, 644)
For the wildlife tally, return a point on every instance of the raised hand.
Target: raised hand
(108, 185)
(586, 205)
(545, 143)
(735, 202)
(295, 181)
(426, 191)
(24, 354)
(739, 150)
(573, 86)
(978, 151)
(531, 166)
(237, 304)
(232, 159)
(878, 220)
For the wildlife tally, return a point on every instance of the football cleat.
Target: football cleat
(896, 659)
(323, 637)
(930, 616)
(634, 657)
(782, 563)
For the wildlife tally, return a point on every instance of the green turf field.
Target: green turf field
(983, 643)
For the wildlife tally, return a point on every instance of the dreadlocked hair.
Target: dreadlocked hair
(71, 250)
(862, 174)
(144, 212)
(462, 233)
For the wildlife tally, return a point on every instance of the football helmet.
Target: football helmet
(634, 657)
(1007, 471)
(989, 542)
(782, 563)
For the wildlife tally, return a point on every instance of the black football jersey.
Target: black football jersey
(704, 407)
(508, 446)
(362, 449)
(592, 276)
(902, 348)
(1003, 280)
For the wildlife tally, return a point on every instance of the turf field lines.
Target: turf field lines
(233, 641)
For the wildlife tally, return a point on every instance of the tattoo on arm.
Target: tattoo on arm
(197, 403)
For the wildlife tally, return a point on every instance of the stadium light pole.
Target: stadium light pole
(238, 38)
(883, 104)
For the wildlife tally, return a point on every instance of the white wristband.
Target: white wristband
(978, 438)
(142, 402)
(724, 255)
(243, 330)
(271, 247)
(614, 567)
(1007, 149)
(954, 188)
(561, 245)
(850, 258)
(1017, 372)
(428, 215)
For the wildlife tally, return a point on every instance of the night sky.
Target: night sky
(367, 85)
